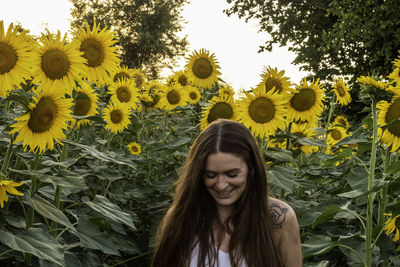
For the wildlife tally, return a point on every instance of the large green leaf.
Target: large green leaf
(109, 210)
(282, 177)
(37, 242)
(48, 210)
(328, 213)
(283, 155)
(358, 179)
(317, 245)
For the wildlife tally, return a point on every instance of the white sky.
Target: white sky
(234, 42)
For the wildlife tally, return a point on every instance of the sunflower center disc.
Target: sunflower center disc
(173, 97)
(43, 115)
(202, 68)
(303, 100)
(134, 149)
(138, 80)
(271, 83)
(341, 91)
(220, 110)
(393, 113)
(262, 110)
(8, 58)
(93, 52)
(397, 223)
(82, 105)
(116, 116)
(120, 76)
(193, 95)
(123, 94)
(55, 64)
(183, 80)
(336, 134)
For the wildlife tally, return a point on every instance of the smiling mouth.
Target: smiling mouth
(225, 194)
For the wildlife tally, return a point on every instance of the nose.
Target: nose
(221, 183)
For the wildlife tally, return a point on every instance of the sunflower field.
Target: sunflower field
(90, 150)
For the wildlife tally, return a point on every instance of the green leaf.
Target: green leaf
(281, 177)
(283, 156)
(328, 213)
(48, 210)
(317, 245)
(91, 237)
(173, 146)
(109, 210)
(358, 179)
(393, 168)
(37, 242)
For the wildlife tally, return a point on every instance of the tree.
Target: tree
(146, 29)
(330, 37)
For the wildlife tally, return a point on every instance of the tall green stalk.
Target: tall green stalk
(371, 195)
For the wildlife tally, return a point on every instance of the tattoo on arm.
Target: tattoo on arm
(278, 215)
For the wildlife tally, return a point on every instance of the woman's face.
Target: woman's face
(225, 178)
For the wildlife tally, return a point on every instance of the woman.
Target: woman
(221, 214)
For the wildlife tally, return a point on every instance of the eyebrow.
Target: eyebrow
(227, 171)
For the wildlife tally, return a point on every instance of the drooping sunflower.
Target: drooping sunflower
(335, 135)
(120, 73)
(219, 108)
(371, 81)
(226, 91)
(58, 63)
(193, 94)
(393, 225)
(125, 92)
(342, 92)
(98, 49)
(172, 97)
(45, 121)
(301, 130)
(389, 112)
(139, 78)
(15, 58)
(341, 120)
(134, 148)
(202, 68)
(8, 186)
(262, 112)
(274, 79)
(182, 78)
(117, 117)
(307, 101)
(85, 104)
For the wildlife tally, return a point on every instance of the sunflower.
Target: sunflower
(120, 73)
(393, 225)
(341, 120)
(44, 122)
(262, 112)
(389, 112)
(125, 92)
(139, 78)
(7, 186)
(15, 58)
(58, 63)
(277, 142)
(371, 81)
(202, 69)
(342, 92)
(193, 94)
(219, 108)
(151, 97)
(301, 130)
(85, 104)
(395, 75)
(226, 91)
(274, 80)
(117, 117)
(182, 78)
(99, 51)
(335, 134)
(172, 97)
(307, 101)
(308, 123)
(134, 148)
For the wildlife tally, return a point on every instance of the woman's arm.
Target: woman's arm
(286, 233)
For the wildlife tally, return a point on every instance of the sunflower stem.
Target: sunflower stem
(383, 200)
(7, 157)
(328, 121)
(371, 196)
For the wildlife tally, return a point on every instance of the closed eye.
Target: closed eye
(210, 175)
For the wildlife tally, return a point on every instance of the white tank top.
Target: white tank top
(223, 259)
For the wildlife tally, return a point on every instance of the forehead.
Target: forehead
(221, 161)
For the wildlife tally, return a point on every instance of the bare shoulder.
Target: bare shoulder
(282, 215)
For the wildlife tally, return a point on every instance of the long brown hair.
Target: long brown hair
(190, 218)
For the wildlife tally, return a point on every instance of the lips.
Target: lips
(225, 194)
